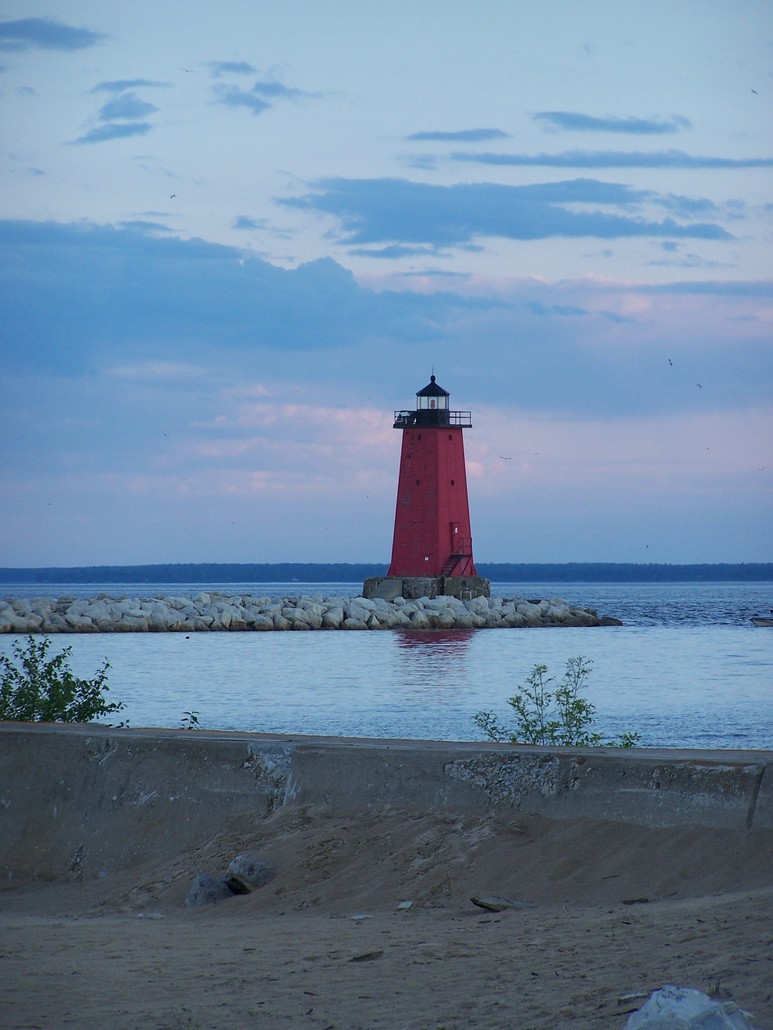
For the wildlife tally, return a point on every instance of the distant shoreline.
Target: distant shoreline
(341, 572)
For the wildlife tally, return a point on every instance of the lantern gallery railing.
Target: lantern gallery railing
(433, 417)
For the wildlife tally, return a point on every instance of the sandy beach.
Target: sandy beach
(610, 913)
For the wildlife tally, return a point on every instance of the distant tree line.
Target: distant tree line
(342, 572)
(206, 572)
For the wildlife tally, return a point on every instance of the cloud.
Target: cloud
(45, 34)
(761, 289)
(126, 106)
(688, 207)
(274, 90)
(613, 159)
(394, 251)
(109, 132)
(388, 211)
(219, 68)
(142, 225)
(573, 122)
(151, 384)
(613, 316)
(230, 96)
(245, 222)
(77, 300)
(155, 370)
(424, 162)
(260, 97)
(563, 310)
(121, 85)
(460, 136)
(686, 261)
(124, 290)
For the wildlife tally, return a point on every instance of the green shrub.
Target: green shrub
(43, 689)
(554, 715)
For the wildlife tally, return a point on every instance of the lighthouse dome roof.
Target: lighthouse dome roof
(433, 390)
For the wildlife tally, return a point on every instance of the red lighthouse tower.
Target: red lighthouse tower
(432, 544)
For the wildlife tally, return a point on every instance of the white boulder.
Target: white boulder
(682, 1008)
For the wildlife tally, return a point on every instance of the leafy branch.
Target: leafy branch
(552, 713)
(43, 689)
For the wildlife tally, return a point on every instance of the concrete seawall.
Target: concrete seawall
(214, 611)
(86, 801)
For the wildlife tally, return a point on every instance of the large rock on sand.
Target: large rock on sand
(682, 1008)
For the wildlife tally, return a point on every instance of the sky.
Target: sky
(235, 238)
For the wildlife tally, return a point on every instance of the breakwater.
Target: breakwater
(224, 612)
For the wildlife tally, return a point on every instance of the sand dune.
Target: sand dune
(615, 912)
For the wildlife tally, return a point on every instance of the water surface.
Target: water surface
(686, 670)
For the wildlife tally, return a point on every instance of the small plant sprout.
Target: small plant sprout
(190, 721)
(552, 713)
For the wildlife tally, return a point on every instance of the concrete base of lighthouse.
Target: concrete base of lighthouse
(411, 587)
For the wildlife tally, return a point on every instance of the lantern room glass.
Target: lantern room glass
(432, 403)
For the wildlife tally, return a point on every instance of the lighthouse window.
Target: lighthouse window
(450, 437)
(418, 482)
(453, 482)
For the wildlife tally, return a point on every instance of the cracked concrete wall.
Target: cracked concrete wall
(84, 801)
(649, 787)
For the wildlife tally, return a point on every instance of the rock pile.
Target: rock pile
(214, 611)
(245, 874)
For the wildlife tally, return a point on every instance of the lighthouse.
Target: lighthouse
(432, 543)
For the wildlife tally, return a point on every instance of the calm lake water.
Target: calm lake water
(687, 668)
